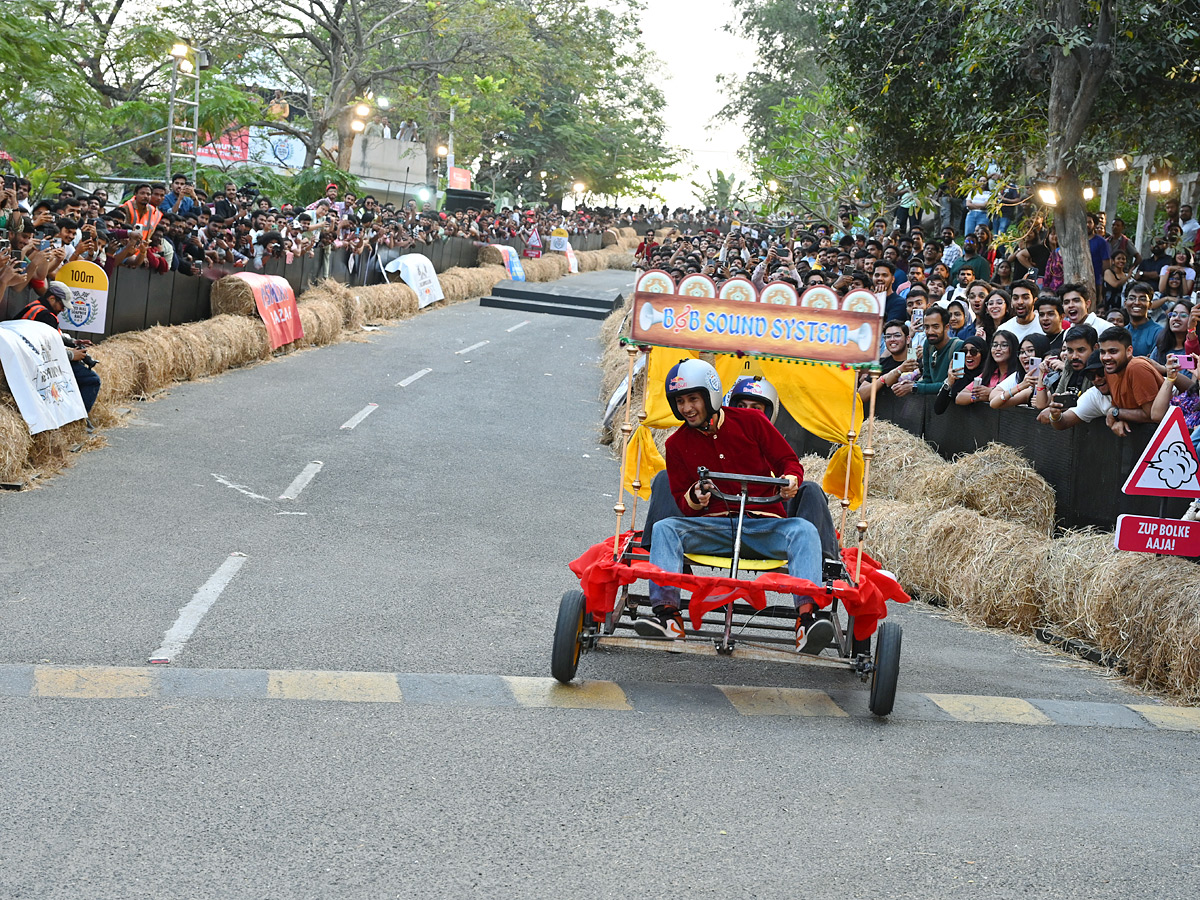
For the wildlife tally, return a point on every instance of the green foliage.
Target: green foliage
(723, 191)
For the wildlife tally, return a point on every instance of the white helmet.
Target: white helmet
(694, 375)
(756, 388)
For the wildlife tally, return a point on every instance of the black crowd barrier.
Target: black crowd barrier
(140, 299)
(1085, 465)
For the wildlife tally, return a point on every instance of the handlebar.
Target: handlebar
(705, 478)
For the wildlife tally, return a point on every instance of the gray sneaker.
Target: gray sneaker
(813, 634)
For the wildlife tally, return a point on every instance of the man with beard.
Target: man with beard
(1024, 320)
(1133, 381)
(1093, 404)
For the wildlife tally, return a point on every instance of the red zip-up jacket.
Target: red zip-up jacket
(745, 443)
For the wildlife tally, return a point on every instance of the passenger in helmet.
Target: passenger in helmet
(729, 439)
(754, 392)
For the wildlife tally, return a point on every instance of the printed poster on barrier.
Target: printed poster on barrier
(39, 375)
(277, 305)
(560, 240)
(533, 245)
(88, 307)
(512, 262)
(572, 260)
(418, 273)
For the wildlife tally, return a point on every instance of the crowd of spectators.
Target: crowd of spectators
(969, 321)
(179, 227)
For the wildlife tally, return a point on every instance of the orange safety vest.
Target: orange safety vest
(147, 221)
(31, 311)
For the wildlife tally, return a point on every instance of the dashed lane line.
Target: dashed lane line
(191, 614)
(469, 349)
(353, 422)
(300, 482)
(518, 325)
(413, 377)
(444, 690)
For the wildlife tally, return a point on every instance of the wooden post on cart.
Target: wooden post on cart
(626, 430)
(868, 455)
(850, 436)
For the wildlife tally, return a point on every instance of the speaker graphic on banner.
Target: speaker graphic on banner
(87, 309)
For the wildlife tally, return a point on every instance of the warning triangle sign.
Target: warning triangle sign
(534, 239)
(1169, 466)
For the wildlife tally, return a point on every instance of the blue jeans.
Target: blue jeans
(795, 540)
(975, 218)
(89, 384)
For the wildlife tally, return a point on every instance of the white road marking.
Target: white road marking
(518, 325)
(413, 377)
(291, 514)
(301, 481)
(240, 488)
(201, 603)
(352, 422)
(469, 349)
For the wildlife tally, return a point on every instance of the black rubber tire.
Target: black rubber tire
(568, 630)
(887, 668)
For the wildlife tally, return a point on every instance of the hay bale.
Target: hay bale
(900, 457)
(50, 451)
(322, 323)
(995, 481)
(233, 296)
(893, 536)
(383, 302)
(15, 440)
(231, 341)
(339, 294)
(992, 571)
(622, 260)
(490, 256)
(814, 467)
(142, 361)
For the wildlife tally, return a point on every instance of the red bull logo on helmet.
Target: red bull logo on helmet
(677, 383)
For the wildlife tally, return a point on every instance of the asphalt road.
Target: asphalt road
(434, 539)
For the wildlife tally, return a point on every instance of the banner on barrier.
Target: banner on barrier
(560, 240)
(511, 262)
(39, 375)
(418, 273)
(277, 305)
(458, 179)
(572, 260)
(88, 307)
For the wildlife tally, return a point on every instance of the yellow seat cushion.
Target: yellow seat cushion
(749, 565)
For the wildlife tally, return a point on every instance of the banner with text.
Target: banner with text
(758, 329)
(39, 375)
(277, 305)
(87, 309)
(418, 273)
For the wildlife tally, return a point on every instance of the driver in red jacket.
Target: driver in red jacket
(734, 440)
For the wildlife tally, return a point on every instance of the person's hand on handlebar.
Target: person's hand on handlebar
(700, 495)
(788, 491)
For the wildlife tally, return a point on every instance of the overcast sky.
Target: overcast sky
(690, 40)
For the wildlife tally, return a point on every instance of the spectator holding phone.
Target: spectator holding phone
(896, 362)
(1179, 388)
(964, 383)
(938, 350)
(1018, 387)
(1172, 339)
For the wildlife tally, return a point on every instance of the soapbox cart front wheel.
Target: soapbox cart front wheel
(887, 668)
(568, 636)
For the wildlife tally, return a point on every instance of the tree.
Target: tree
(722, 191)
(1064, 84)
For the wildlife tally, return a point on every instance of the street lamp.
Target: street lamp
(180, 50)
(362, 110)
(1088, 193)
(1048, 195)
(383, 103)
(442, 150)
(358, 126)
(1119, 164)
(423, 193)
(773, 185)
(579, 187)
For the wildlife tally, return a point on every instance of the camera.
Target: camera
(89, 361)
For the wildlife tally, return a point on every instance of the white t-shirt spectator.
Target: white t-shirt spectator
(1016, 328)
(1093, 405)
